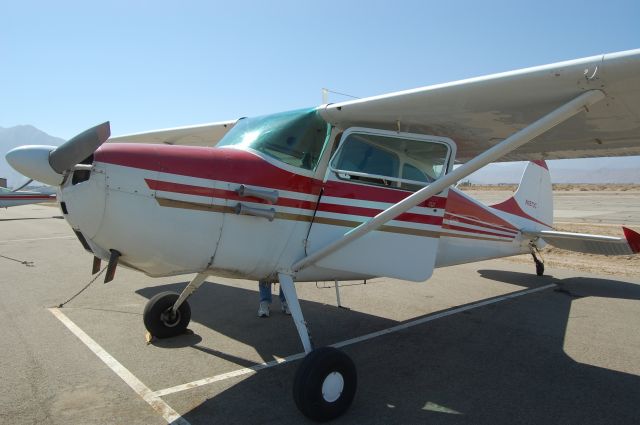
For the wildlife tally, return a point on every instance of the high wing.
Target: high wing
(480, 112)
(193, 135)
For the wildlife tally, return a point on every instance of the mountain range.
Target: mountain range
(624, 169)
(591, 170)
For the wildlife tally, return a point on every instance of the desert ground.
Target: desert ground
(583, 208)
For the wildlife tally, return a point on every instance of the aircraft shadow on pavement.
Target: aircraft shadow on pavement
(502, 363)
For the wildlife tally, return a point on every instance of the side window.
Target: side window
(398, 160)
(360, 155)
(409, 172)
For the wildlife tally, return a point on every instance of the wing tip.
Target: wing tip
(633, 239)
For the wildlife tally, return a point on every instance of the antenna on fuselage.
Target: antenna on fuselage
(325, 95)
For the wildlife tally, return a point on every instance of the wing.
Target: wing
(591, 244)
(194, 135)
(480, 112)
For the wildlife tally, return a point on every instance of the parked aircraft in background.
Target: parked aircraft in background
(12, 198)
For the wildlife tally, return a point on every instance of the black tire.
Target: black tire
(157, 317)
(330, 365)
(539, 268)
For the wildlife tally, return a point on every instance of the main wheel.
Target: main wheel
(159, 318)
(539, 268)
(325, 384)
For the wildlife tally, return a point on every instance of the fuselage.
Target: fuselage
(175, 209)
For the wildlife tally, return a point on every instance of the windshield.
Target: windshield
(295, 137)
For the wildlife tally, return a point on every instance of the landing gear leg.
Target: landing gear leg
(538, 261)
(326, 381)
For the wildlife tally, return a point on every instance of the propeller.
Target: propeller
(48, 164)
(24, 185)
(78, 148)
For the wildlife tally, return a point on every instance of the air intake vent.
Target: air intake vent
(80, 176)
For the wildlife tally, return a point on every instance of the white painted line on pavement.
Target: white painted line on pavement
(294, 357)
(170, 415)
(441, 315)
(223, 376)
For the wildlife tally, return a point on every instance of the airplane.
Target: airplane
(12, 198)
(343, 191)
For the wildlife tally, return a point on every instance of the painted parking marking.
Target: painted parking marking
(233, 374)
(159, 405)
(294, 357)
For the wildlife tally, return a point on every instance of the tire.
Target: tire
(325, 384)
(539, 268)
(156, 316)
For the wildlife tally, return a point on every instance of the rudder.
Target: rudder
(534, 198)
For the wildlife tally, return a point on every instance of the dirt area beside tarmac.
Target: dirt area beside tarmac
(613, 205)
(622, 265)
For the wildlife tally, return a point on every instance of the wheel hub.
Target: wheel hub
(332, 387)
(169, 318)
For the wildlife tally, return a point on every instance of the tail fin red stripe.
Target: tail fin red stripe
(511, 206)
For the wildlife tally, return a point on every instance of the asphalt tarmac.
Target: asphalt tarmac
(483, 343)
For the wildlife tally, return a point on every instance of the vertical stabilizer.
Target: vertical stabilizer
(534, 198)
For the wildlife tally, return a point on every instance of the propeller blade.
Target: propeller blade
(24, 185)
(79, 148)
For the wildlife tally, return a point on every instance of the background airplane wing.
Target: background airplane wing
(480, 112)
(194, 135)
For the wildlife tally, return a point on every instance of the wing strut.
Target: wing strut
(509, 144)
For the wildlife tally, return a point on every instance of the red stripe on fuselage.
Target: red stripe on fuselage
(226, 164)
(372, 212)
(377, 194)
(242, 167)
(476, 231)
(286, 202)
(459, 205)
(188, 189)
(451, 218)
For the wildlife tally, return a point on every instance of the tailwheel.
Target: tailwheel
(325, 384)
(539, 267)
(160, 319)
(538, 261)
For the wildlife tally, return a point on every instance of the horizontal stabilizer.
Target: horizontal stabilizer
(591, 244)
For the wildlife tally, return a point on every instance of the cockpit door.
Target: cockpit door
(371, 171)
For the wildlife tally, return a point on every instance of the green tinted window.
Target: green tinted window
(360, 156)
(296, 137)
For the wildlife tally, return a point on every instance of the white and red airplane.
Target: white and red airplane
(12, 198)
(342, 191)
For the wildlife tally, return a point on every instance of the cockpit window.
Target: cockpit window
(390, 160)
(296, 137)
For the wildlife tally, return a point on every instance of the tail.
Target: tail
(534, 198)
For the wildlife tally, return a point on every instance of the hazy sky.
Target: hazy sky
(66, 66)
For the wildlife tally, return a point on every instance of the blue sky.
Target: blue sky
(65, 66)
